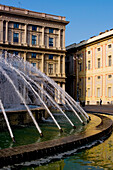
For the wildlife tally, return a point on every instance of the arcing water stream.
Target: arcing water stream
(20, 82)
(26, 84)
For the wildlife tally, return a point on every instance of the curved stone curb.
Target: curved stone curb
(35, 151)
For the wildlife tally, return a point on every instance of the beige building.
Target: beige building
(93, 60)
(37, 37)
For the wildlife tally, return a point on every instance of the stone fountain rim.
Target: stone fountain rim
(11, 156)
(13, 110)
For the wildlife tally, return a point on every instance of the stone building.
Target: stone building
(93, 63)
(37, 37)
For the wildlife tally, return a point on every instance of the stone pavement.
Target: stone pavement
(104, 109)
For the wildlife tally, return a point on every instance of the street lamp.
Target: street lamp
(78, 60)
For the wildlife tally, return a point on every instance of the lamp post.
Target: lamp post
(78, 60)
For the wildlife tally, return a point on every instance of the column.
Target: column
(47, 68)
(58, 95)
(6, 33)
(54, 45)
(25, 43)
(42, 36)
(59, 65)
(5, 55)
(1, 31)
(63, 87)
(24, 56)
(54, 71)
(63, 65)
(30, 39)
(42, 65)
(59, 36)
(11, 33)
(19, 41)
(47, 41)
(63, 39)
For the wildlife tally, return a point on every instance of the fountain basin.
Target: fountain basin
(19, 116)
(11, 156)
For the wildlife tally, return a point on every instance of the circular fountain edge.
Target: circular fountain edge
(11, 156)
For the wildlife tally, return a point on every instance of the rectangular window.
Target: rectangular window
(50, 68)
(109, 60)
(98, 62)
(88, 92)
(51, 30)
(89, 65)
(98, 92)
(34, 64)
(33, 55)
(98, 49)
(89, 52)
(15, 37)
(51, 57)
(109, 91)
(109, 76)
(98, 77)
(34, 28)
(109, 46)
(51, 42)
(16, 25)
(88, 78)
(34, 39)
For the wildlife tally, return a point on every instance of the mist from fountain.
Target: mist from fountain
(25, 84)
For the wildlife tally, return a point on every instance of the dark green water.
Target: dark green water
(28, 134)
(96, 157)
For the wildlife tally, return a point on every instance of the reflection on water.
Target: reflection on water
(96, 158)
(59, 165)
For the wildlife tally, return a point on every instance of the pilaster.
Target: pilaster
(63, 65)
(1, 31)
(25, 56)
(25, 40)
(59, 39)
(63, 39)
(6, 33)
(47, 41)
(58, 94)
(59, 65)
(42, 44)
(42, 65)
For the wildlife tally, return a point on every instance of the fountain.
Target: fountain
(23, 86)
(21, 83)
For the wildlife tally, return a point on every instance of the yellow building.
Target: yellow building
(93, 60)
(37, 37)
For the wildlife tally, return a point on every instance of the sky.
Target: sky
(87, 17)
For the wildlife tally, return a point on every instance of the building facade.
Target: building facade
(93, 60)
(37, 37)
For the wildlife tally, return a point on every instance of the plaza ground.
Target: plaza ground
(103, 109)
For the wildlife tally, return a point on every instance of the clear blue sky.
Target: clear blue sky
(87, 17)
